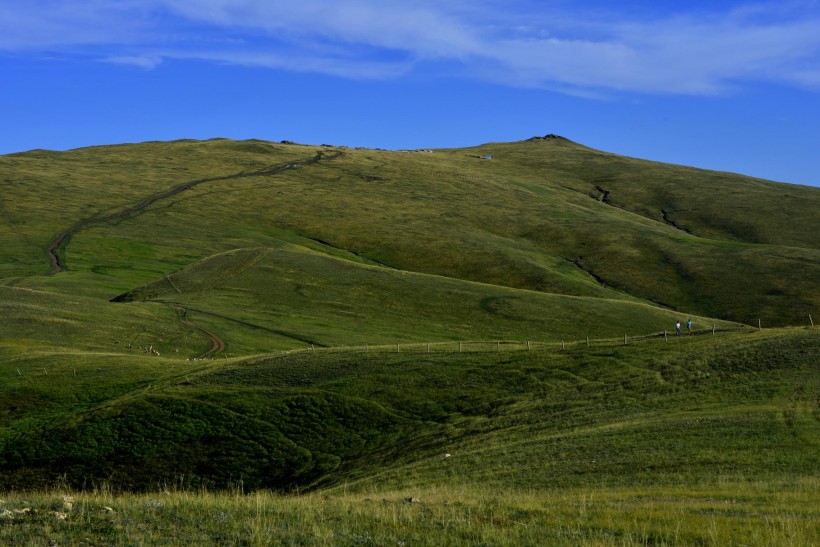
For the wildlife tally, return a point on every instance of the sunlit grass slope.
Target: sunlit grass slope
(48, 322)
(289, 297)
(273, 299)
(546, 215)
(44, 192)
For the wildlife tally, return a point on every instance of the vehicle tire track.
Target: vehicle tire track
(62, 239)
(217, 345)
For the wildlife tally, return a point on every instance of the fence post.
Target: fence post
(498, 346)
(398, 349)
(528, 346)
(587, 341)
(666, 338)
(811, 320)
(713, 329)
(624, 339)
(562, 344)
(428, 347)
(759, 326)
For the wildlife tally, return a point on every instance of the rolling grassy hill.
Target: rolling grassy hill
(546, 215)
(258, 315)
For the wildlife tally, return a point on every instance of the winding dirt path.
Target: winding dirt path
(217, 345)
(62, 239)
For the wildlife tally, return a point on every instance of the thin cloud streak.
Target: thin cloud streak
(691, 59)
(359, 70)
(38, 25)
(364, 39)
(426, 31)
(144, 62)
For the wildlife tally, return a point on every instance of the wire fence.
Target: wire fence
(495, 346)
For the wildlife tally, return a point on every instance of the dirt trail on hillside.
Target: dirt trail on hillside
(217, 345)
(62, 239)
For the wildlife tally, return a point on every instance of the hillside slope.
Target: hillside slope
(695, 409)
(313, 298)
(544, 215)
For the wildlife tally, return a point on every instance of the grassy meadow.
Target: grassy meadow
(720, 513)
(225, 342)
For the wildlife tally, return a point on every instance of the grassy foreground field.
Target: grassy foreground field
(720, 513)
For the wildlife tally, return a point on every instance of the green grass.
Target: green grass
(528, 219)
(651, 412)
(722, 513)
(306, 297)
(295, 343)
(47, 321)
(709, 440)
(691, 440)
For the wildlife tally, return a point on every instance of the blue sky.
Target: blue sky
(731, 85)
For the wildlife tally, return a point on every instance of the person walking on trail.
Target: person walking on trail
(689, 326)
(677, 328)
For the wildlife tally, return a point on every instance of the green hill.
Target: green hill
(250, 315)
(544, 215)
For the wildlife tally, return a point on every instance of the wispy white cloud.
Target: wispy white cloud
(144, 62)
(53, 24)
(585, 50)
(676, 56)
(423, 28)
(297, 62)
